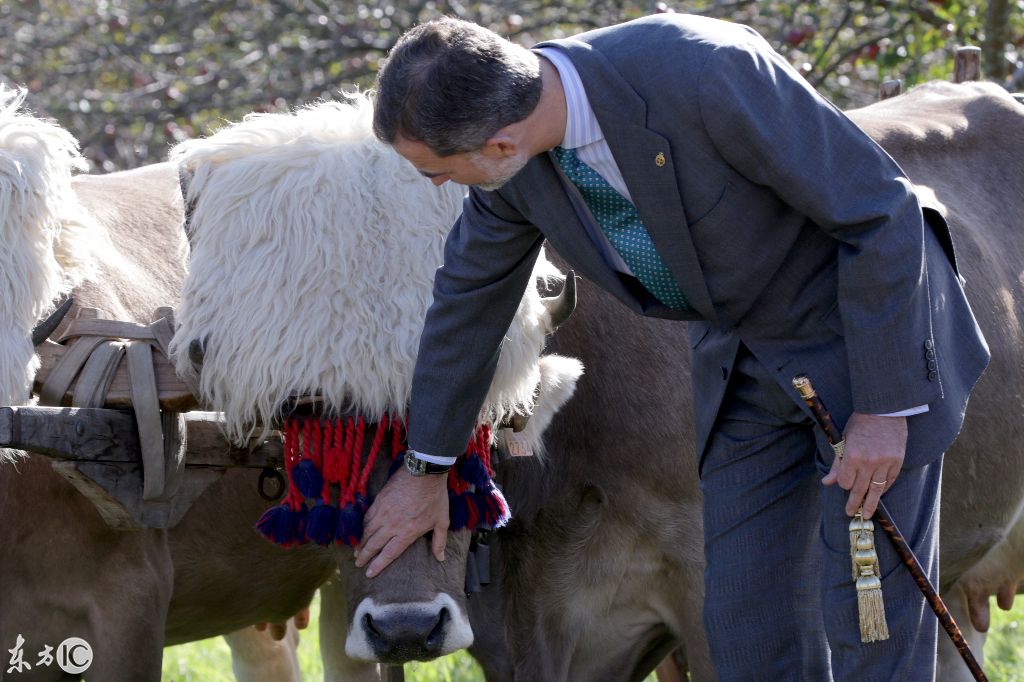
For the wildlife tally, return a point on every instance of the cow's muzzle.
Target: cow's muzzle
(401, 637)
(412, 631)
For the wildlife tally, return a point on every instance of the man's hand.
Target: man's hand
(875, 447)
(406, 508)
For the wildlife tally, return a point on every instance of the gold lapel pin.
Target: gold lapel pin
(659, 160)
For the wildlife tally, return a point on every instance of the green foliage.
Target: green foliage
(1004, 649)
(131, 77)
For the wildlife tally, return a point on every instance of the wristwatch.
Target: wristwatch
(421, 467)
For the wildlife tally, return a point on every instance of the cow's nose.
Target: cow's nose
(399, 636)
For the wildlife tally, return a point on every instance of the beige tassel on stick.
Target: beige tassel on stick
(868, 578)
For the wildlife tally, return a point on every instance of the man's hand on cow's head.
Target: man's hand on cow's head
(406, 509)
(875, 447)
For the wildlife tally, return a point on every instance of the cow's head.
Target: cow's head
(313, 253)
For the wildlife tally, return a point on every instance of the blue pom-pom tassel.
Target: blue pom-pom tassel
(323, 519)
(493, 508)
(473, 471)
(276, 525)
(458, 510)
(308, 479)
(350, 522)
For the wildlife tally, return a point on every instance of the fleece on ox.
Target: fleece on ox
(45, 244)
(314, 248)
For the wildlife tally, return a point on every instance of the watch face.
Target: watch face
(416, 467)
(420, 467)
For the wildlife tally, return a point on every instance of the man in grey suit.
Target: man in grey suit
(682, 165)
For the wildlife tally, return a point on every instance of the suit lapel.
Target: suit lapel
(646, 162)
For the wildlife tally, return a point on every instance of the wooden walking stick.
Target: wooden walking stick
(802, 383)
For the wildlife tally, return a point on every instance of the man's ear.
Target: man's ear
(502, 145)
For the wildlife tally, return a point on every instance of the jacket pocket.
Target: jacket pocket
(727, 189)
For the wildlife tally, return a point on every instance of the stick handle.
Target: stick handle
(802, 383)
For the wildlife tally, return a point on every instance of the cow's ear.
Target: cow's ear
(558, 377)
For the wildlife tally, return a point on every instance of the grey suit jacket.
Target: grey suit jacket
(785, 225)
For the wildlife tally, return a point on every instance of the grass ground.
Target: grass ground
(210, 660)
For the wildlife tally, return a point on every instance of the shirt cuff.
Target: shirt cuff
(920, 409)
(434, 459)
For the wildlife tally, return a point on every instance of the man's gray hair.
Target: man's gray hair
(452, 84)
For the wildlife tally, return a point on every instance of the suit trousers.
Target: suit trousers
(780, 601)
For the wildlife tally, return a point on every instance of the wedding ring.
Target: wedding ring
(879, 482)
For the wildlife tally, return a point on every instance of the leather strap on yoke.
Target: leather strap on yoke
(95, 350)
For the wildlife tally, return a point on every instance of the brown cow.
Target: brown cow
(602, 563)
(67, 574)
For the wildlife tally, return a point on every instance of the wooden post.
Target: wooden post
(890, 88)
(967, 64)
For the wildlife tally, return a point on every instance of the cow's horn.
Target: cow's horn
(196, 354)
(561, 307)
(42, 331)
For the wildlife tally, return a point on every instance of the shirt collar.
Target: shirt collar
(581, 126)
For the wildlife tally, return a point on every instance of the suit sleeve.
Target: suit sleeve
(773, 128)
(488, 260)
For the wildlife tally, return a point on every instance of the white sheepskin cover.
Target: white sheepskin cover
(313, 253)
(44, 244)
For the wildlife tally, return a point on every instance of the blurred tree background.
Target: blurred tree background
(131, 77)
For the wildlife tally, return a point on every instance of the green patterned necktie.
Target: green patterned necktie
(620, 222)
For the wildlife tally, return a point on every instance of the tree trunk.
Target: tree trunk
(993, 61)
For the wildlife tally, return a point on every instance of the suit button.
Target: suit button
(930, 354)
(929, 344)
(933, 375)
(931, 364)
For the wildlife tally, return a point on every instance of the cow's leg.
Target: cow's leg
(762, 608)
(334, 632)
(257, 657)
(950, 666)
